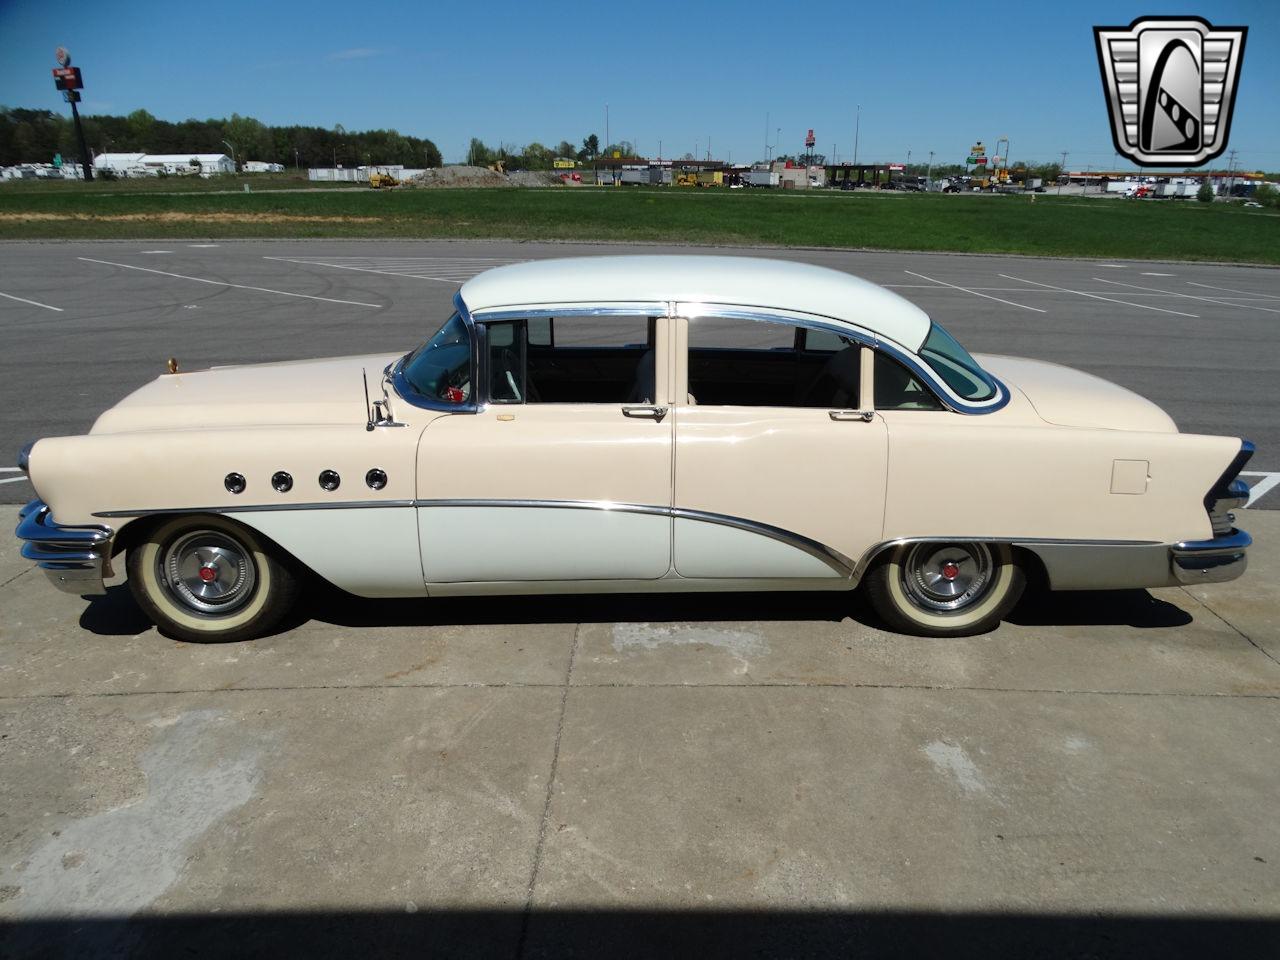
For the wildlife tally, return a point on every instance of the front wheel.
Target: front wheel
(209, 580)
(945, 588)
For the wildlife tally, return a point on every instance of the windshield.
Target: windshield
(440, 369)
(958, 370)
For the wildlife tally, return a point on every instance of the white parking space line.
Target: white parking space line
(34, 303)
(974, 292)
(14, 480)
(440, 269)
(10, 469)
(1264, 486)
(1256, 296)
(1219, 301)
(1113, 266)
(1094, 296)
(238, 286)
(1147, 273)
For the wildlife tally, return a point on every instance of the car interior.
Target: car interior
(731, 363)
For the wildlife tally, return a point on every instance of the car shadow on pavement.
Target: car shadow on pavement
(425, 932)
(1096, 608)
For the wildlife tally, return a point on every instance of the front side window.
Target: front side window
(440, 369)
(756, 363)
(955, 366)
(574, 359)
(897, 388)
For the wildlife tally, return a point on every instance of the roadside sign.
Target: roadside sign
(67, 78)
(897, 166)
(71, 96)
(809, 139)
(978, 148)
(63, 56)
(980, 161)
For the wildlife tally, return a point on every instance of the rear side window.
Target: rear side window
(754, 363)
(571, 360)
(897, 388)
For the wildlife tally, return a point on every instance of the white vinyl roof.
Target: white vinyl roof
(740, 281)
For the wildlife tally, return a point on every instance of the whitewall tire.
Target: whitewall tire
(208, 579)
(945, 588)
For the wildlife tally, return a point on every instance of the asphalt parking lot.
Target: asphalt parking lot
(93, 321)
(662, 776)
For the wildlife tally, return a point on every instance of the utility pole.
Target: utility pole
(659, 149)
(928, 177)
(1231, 169)
(857, 128)
(606, 127)
(766, 137)
(1063, 172)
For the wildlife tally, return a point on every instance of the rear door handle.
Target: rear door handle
(866, 416)
(645, 412)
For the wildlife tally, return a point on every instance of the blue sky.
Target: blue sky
(929, 76)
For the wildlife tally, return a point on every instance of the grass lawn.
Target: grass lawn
(1150, 229)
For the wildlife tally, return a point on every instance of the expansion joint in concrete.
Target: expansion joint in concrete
(546, 803)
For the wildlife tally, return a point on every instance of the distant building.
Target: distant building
(154, 164)
(262, 166)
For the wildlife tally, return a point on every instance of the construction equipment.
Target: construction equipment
(379, 180)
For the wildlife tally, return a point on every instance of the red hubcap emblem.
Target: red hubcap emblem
(208, 574)
(950, 571)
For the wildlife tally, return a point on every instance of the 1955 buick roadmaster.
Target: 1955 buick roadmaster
(637, 424)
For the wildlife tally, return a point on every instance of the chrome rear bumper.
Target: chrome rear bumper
(1211, 561)
(74, 558)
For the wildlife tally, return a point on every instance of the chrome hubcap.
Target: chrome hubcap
(947, 577)
(208, 572)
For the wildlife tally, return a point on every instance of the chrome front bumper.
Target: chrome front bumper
(74, 558)
(1211, 561)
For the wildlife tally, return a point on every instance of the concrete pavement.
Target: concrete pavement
(711, 775)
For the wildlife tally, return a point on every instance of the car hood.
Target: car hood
(302, 392)
(1073, 398)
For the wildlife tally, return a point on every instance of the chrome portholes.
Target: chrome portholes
(234, 482)
(281, 481)
(209, 572)
(329, 480)
(376, 478)
(947, 577)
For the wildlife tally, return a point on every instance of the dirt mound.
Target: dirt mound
(465, 176)
(534, 178)
(460, 176)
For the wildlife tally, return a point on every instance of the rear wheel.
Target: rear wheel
(945, 588)
(209, 580)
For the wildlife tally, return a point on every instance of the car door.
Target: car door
(564, 471)
(780, 460)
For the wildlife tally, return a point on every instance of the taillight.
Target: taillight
(1228, 493)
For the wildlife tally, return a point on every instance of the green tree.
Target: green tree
(1267, 195)
(1205, 193)
(591, 146)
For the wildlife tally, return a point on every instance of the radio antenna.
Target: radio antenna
(367, 409)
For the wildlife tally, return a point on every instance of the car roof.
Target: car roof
(740, 281)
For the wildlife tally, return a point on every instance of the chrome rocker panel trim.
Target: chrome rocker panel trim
(73, 557)
(1211, 561)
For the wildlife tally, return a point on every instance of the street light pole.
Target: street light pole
(928, 177)
(1063, 172)
(857, 128)
(234, 162)
(606, 126)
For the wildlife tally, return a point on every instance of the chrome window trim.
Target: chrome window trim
(621, 308)
(405, 391)
(904, 356)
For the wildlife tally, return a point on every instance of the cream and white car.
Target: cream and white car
(638, 424)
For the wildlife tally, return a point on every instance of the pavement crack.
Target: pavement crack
(15, 577)
(1240, 632)
(546, 804)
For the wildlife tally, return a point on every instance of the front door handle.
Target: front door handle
(645, 412)
(866, 416)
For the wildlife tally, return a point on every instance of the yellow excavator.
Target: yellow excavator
(379, 180)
